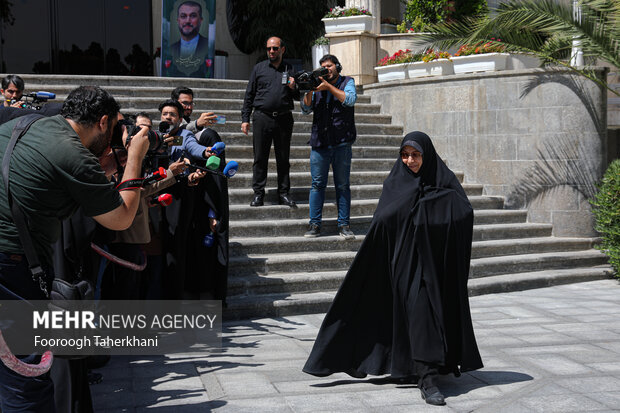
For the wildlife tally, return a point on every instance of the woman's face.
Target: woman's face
(412, 158)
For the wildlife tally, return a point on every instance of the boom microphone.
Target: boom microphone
(42, 95)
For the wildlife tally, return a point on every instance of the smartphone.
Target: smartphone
(176, 141)
(220, 119)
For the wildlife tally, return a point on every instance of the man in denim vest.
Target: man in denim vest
(333, 133)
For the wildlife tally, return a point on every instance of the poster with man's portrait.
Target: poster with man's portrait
(188, 38)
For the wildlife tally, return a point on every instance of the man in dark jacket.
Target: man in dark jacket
(333, 133)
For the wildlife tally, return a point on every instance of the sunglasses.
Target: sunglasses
(274, 48)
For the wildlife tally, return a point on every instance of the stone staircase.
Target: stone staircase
(275, 271)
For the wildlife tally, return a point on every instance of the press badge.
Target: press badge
(284, 78)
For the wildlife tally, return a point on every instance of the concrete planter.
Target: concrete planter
(439, 67)
(487, 62)
(318, 51)
(351, 23)
(392, 72)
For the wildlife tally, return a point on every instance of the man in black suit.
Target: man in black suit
(190, 53)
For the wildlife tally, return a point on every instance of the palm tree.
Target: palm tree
(545, 28)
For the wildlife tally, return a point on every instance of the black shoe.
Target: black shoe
(287, 200)
(313, 231)
(257, 201)
(432, 395)
(346, 232)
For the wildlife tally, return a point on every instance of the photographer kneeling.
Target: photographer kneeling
(54, 170)
(333, 133)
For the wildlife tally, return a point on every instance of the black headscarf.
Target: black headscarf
(405, 295)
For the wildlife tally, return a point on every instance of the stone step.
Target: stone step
(287, 303)
(305, 127)
(301, 139)
(360, 224)
(233, 112)
(311, 261)
(483, 267)
(36, 82)
(244, 179)
(303, 165)
(243, 211)
(368, 191)
(303, 152)
(243, 247)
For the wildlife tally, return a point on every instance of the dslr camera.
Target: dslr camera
(156, 138)
(309, 80)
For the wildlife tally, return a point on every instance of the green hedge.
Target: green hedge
(606, 209)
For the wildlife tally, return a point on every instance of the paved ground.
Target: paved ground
(554, 349)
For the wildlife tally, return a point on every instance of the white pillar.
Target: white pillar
(576, 54)
(373, 6)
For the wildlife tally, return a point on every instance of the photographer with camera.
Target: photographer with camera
(53, 170)
(122, 282)
(12, 90)
(333, 133)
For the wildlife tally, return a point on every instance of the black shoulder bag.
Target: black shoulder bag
(74, 288)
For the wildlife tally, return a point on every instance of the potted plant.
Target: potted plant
(395, 67)
(389, 25)
(434, 63)
(320, 48)
(340, 19)
(480, 57)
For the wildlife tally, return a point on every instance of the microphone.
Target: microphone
(208, 240)
(155, 176)
(213, 163)
(218, 148)
(163, 200)
(231, 169)
(42, 95)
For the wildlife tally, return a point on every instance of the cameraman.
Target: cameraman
(122, 283)
(13, 90)
(333, 133)
(54, 170)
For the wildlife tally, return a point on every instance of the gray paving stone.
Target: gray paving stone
(537, 357)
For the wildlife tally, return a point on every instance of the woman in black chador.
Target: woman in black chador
(403, 307)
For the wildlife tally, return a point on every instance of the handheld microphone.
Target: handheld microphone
(213, 163)
(155, 176)
(163, 200)
(218, 148)
(231, 169)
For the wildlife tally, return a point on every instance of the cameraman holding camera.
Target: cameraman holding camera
(54, 170)
(12, 90)
(333, 133)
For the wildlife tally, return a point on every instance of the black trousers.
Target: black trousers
(279, 130)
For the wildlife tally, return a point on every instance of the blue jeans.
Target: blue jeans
(339, 157)
(19, 393)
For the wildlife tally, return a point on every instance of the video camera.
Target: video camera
(36, 100)
(309, 80)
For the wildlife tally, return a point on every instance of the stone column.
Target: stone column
(373, 6)
(357, 52)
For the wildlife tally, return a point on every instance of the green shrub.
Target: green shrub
(606, 209)
(437, 11)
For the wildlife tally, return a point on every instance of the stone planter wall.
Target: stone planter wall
(508, 129)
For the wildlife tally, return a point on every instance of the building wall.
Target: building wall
(536, 137)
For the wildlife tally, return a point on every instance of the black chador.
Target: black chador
(405, 296)
(192, 266)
